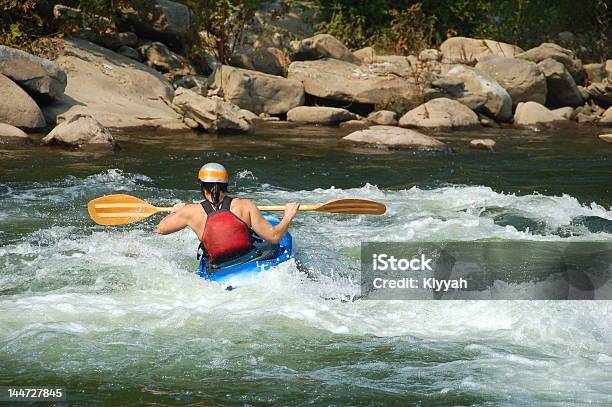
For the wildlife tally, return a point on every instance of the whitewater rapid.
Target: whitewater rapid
(79, 299)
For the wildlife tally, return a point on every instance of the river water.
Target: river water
(118, 316)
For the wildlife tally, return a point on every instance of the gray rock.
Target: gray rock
(197, 83)
(522, 79)
(353, 124)
(17, 107)
(606, 137)
(366, 55)
(268, 60)
(606, 118)
(468, 51)
(256, 91)
(78, 131)
(12, 135)
(346, 82)
(161, 20)
(129, 52)
(63, 12)
(117, 91)
(212, 114)
(554, 51)
(395, 137)
(566, 113)
(319, 115)
(430, 55)
(324, 46)
(533, 114)
(561, 88)
(482, 144)
(383, 118)
(497, 103)
(441, 113)
(43, 79)
(445, 87)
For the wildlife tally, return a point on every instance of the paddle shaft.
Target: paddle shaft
(269, 208)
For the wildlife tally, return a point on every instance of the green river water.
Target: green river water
(118, 317)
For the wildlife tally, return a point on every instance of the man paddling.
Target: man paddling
(222, 223)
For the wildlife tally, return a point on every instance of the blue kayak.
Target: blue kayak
(245, 269)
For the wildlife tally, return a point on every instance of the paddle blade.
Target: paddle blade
(353, 206)
(119, 209)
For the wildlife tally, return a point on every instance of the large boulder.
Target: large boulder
(12, 135)
(554, 51)
(78, 131)
(43, 79)
(163, 20)
(533, 114)
(211, 114)
(17, 108)
(346, 82)
(395, 137)
(323, 46)
(561, 90)
(256, 91)
(522, 79)
(497, 101)
(319, 115)
(441, 113)
(117, 91)
(468, 51)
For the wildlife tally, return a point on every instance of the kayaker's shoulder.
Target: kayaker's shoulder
(243, 203)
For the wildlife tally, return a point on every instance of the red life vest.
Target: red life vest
(224, 233)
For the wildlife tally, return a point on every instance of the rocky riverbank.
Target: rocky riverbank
(136, 77)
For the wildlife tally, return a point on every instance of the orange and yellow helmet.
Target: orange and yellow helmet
(213, 172)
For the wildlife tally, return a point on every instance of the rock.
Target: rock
(17, 107)
(43, 79)
(319, 115)
(601, 92)
(162, 20)
(445, 87)
(12, 135)
(606, 137)
(486, 121)
(111, 39)
(62, 12)
(212, 114)
(584, 93)
(346, 82)
(383, 117)
(561, 90)
(595, 72)
(197, 83)
(324, 46)
(554, 51)
(355, 124)
(80, 130)
(522, 79)
(117, 91)
(482, 144)
(497, 103)
(395, 137)
(366, 55)
(468, 51)
(532, 113)
(158, 56)
(129, 52)
(441, 113)
(608, 68)
(430, 55)
(250, 116)
(256, 91)
(268, 60)
(606, 118)
(566, 113)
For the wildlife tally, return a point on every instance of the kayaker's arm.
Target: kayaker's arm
(265, 230)
(177, 220)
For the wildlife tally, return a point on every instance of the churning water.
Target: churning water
(118, 316)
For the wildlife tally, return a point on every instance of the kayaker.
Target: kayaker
(222, 223)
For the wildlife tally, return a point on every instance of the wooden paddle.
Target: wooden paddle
(121, 209)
